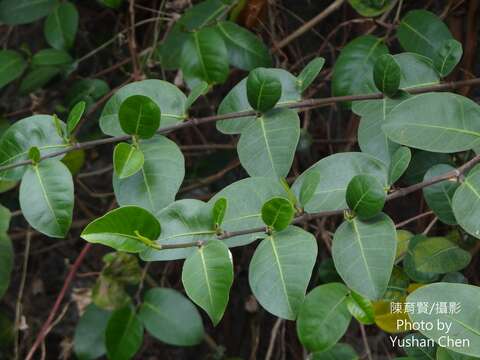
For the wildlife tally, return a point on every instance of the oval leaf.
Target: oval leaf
(387, 74)
(12, 65)
(89, 338)
(365, 196)
(127, 160)
(139, 115)
(124, 334)
(361, 308)
(61, 26)
(466, 204)
(277, 213)
(448, 56)
(400, 161)
(263, 90)
(14, 12)
(74, 116)
(310, 73)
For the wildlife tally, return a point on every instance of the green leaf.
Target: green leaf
(5, 217)
(245, 50)
(439, 196)
(159, 179)
(403, 239)
(34, 154)
(51, 57)
(466, 204)
(89, 338)
(169, 317)
(323, 318)
(309, 184)
(74, 116)
(36, 78)
(353, 70)
(267, 146)
(422, 32)
(183, 221)
(445, 354)
(263, 89)
(6, 262)
(335, 172)
(14, 12)
(12, 65)
(280, 271)
(364, 253)
(219, 210)
(88, 90)
(121, 227)
(464, 325)
(114, 4)
(61, 25)
(365, 196)
(409, 263)
(245, 200)
(204, 56)
(236, 101)
(399, 164)
(127, 160)
(387, 74)
(448, 56)
(168, 98)
(369, 8)
(310, 73)
(207, 277)
(46, 197)
(439, 255)
(361, 308)
(421, 162)
(139, 115)
(397, 286)
(437, 122)
(336, 352)
(278, 213)
(426, 352)
(124, 334)
(200, 89)
(455, 277)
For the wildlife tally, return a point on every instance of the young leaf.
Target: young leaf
(309, 185)
(207, 277)
(200, 89)
(120, 229)
(15, 12)
(466, 204)
(139, 115)
(369, 8)
(127, 160)
(400, 161)
(34, 154)
(409, 265)
(124, 334)
(277, 213)
(263, 90)
(89, 338)
(323, 317)
(280, 271)
(6, 262)
(12, 65)
(310, 73)
(74, 116)
(387, 74)
(245, 50)
(337, 351)
(37, 78)
(219, 210)
(169, 317)
(46, 197)
(464, 324)
(364, 253)
(365, 196)
(448, 56)
(61, 25)
(361, 308)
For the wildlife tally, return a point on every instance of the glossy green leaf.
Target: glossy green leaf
(245, 50)
(139, 115)
(124, 334)
(439, 255)
(61, 25)
(89, 338)
(310, 73)
(168, 98)
(207, 277)
(339, 351)
(200, 89)
(6, 262)
(448, 56)
(219, 210)
(159, 179)
(399, 164)
(361, 308)
(263, 90)
(387, 74)
(409, 265)
(267, 146)
(236, 101)
(170, 317)
(121, 227)
(280, 271)
(335, 172)
(365, 196)
(324, 317)
(466, 204)
(74, 116)
(422, 32)
(204, 56)
(5, 217)
(34, 154)
(445, 354)
(465, 324)
(46, 197)
(51, 57)
(438, 122)
(308, 187)
(278, 213)
(12, 65)
(353, 70)
(14, 12)
(439, 196)
(127, 160)
(37, 78)
(364, 253)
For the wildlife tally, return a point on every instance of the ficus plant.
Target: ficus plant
(363, 271)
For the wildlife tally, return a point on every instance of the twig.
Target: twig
(408, 221)
(273, 337)
(365, 342)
